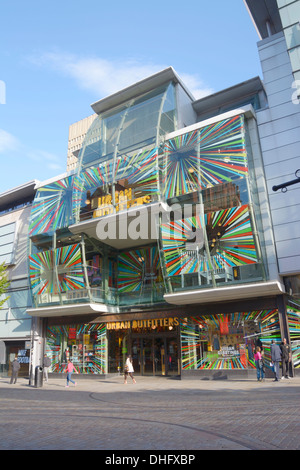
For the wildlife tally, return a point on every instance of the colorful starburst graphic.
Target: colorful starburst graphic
(212, 155)
(233, 246)
(42, 268)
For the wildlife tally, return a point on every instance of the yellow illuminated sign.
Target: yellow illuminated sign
(124, 200)
(151, 323)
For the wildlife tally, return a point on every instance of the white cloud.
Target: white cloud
(8, 142)
(52, 161)
(196, 85)
(105, 77)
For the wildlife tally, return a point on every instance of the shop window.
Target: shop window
(293, 315)
(84, 345)
(228, 341)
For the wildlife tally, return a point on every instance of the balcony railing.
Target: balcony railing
(109, 296)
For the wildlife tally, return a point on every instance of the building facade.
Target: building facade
(165, 238)
(161, 242)
(16, 325)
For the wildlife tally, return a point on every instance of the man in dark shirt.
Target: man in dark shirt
(276, 358)
(285, 358)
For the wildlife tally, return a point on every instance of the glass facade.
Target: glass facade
(211, 239)
(205, 173)
(118, 164)
(136, 124)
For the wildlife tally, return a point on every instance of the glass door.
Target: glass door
(172, 363)
(159, 357)
(137, 355)
(147, 357)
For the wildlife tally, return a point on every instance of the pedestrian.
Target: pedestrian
(46, 365)
(70, 368)
(286, 358)
(276, 358)
(128, 370)
(14, 370)
(259, 364)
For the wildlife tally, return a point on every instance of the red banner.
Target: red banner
(72, 333)
(224, 329)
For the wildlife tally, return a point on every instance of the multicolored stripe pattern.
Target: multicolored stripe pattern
(138, 268)
(40, 272)
(70, 271)
(88, 362)
(192, 357)
(138, 169)
(293, 314)
(235, 247)
(52, 207)
(90, 179)
(204, 158)
(175, 236)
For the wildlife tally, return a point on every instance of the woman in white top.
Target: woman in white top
(128, 370)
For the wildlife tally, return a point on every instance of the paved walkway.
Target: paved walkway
(153, 414)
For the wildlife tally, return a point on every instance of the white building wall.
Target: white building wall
(279, 130)
(15, 323)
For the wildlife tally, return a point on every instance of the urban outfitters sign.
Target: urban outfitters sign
(135, 324)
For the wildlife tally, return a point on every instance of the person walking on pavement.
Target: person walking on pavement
(70, 367)
(128, 370)
(276, 358)
(286, 358)
(46, 365)
(259, 364)
(15, 370)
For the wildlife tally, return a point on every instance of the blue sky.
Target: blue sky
(58, 57)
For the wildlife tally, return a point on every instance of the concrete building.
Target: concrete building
(77, 133)
(279, 124)
(16, 325)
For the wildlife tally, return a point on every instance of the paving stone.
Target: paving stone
(155, 414)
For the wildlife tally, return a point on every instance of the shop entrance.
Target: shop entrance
(154, 355)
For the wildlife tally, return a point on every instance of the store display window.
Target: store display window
(83, 344)
(293, 315)
(228, 341)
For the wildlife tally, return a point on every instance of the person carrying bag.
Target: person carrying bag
(128, 370)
